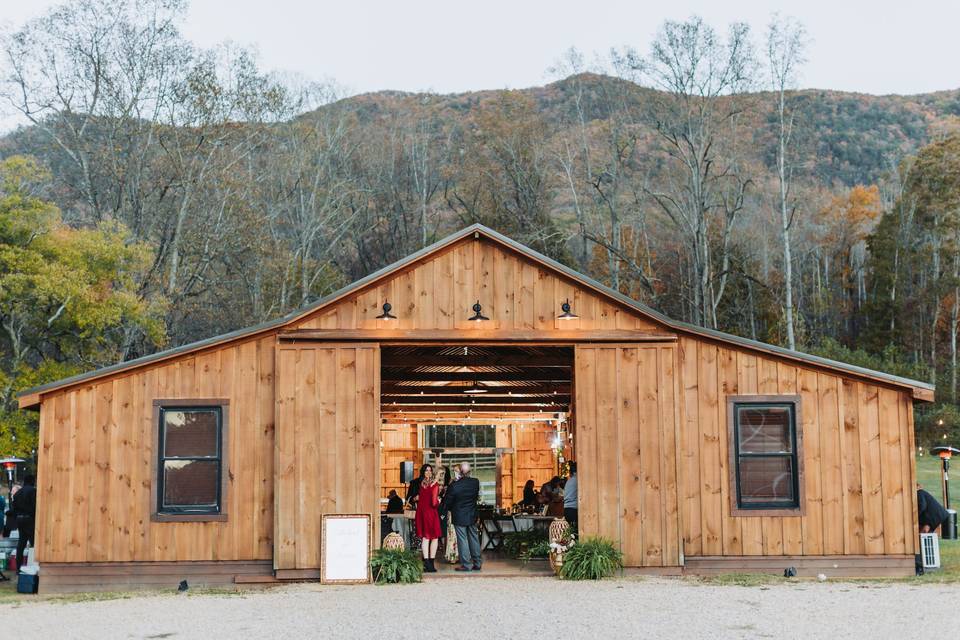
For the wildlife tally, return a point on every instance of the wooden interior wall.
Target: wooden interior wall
(328, 439)
(857, 454)
(96, 463)
(516, 293)
(534, 457)
(399, 444)
(627, 449)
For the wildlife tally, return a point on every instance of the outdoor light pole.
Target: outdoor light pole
(945, 453)
(10, 465)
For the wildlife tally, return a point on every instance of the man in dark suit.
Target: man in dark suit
(461, 501)
(25, 510)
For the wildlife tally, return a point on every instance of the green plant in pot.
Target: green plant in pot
(591, 559)
(396, 566)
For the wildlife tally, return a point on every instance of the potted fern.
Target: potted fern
(396, 566)
(591, 559)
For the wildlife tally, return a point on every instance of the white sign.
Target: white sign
(345, 549)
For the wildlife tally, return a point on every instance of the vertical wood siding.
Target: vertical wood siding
(96, 463)
(626, 450)
(327, 443)
(857, 452)
(438, 294)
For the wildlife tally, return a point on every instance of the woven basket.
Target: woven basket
(557, 528)
(394, 540)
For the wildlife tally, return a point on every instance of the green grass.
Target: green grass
(928, 475)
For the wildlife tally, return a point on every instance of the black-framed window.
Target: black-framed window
(190, 466)
(766, 455)
(466, 436)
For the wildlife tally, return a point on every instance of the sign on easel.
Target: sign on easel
(345, 549)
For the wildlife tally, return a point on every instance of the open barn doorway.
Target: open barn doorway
(504, 409)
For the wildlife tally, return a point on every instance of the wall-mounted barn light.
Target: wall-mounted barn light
(477, 316)
(566, 315)
(386, 315)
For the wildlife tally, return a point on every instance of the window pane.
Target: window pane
(190, 483)
(764, 429)
(190, 432)
(766, 480)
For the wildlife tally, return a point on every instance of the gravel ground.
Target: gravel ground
(499, 608)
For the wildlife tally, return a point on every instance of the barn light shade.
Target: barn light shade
(475, 388)
(477, 315)
(386, 315)
(566, 315)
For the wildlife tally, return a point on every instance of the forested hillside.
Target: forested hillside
(705, 185)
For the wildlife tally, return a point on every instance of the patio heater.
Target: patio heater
(10, 465)
(946, 452)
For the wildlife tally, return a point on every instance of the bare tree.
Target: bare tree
(786, 42)
(696, 115)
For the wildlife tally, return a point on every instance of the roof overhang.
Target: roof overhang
(31, 398)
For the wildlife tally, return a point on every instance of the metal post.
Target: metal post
(946, 482)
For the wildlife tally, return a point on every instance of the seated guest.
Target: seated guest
(529, 494)
(550, 491)
(395, 502)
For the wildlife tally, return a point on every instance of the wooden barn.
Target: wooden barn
(697, 451)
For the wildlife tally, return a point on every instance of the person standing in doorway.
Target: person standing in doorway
(461, 502)
(427, 519)
(570, 499)
(25, 511)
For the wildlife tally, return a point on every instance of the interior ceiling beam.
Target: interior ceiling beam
(395, 389)
(468, 400)
(462, 416)
(415, 360)
(529, 407)
(486, 398)
(479, 377)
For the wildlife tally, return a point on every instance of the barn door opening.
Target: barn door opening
(626, 449)
(505, 409)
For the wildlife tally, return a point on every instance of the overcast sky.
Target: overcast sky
(877, 46)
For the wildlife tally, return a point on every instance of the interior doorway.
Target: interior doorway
(505, 409)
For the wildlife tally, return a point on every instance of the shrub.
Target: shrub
(396, 565)
(518, 544)
(591, 559)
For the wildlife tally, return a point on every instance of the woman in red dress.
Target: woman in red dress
(427, 519)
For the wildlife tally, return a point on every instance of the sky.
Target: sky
(877, 46)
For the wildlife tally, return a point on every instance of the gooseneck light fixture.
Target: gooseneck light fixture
(566, 315)
(477, 316)
(386, 315)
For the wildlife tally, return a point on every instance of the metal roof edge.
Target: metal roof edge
(516, 246)
(264, 326)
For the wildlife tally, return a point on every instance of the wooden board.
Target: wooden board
(328, 438)
(625, 430)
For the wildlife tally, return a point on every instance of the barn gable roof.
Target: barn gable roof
(30, 398)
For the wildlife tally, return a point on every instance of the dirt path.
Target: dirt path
(506, 608)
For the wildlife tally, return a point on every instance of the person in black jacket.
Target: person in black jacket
(461, 501)
(930, 513)
(25, 511)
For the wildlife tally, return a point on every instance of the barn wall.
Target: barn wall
(516, 294)
(96, 463)
(857, 454)
(328, 439)
(626, 450)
